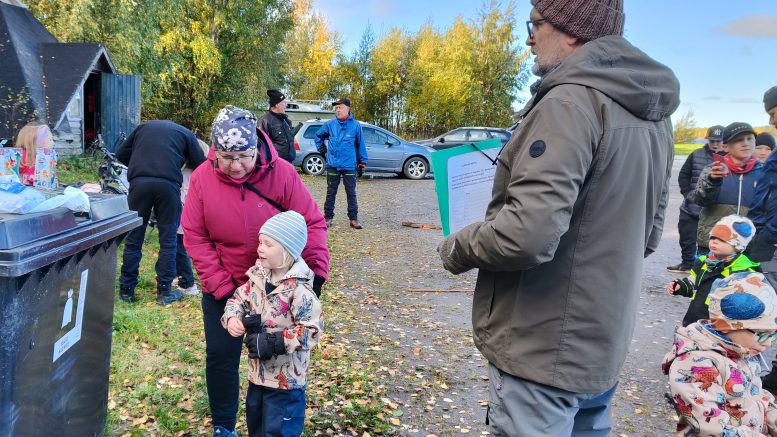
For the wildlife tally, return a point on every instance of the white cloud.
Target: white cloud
(755, 26)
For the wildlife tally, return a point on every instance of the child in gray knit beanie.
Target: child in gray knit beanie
(280, 316)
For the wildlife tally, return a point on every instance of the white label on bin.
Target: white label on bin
(70, 332)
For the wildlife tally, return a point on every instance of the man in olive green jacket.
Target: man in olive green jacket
(578, 200)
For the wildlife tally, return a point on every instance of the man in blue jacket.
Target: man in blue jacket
(763, 213)
(344, 153)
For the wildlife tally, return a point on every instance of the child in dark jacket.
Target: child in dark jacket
(727, 185)
(728, 239)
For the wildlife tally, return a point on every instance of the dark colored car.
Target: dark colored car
(386, 152)
(466, 135)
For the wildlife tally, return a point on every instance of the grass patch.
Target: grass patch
(685, 149)
(78, 168)
(157, 379)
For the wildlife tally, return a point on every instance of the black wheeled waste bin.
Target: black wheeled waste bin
(57, 287)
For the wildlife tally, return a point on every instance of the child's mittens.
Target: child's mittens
(264, 346)
(681, 287)
(252, 323)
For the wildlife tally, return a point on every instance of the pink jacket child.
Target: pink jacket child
(713, 367)
(222, 217)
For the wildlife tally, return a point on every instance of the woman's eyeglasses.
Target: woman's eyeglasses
(243, 159)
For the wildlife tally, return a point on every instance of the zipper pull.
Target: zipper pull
(242, 192)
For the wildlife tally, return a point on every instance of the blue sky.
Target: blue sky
(724, 52)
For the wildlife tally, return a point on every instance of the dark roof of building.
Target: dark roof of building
(66, 67)
(35, 63)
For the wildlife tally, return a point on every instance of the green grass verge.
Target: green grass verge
(686, 149)
(78, 168)
(157, 379)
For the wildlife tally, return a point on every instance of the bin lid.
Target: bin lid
(30, 242)
(20, 229)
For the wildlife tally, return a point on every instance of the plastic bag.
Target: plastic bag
(72, 198)
(16, 198)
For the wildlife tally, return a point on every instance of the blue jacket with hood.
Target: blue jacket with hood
(344, 136)
(763, 207)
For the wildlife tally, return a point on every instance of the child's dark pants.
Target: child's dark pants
(275, 412)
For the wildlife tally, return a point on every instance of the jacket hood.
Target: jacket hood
(267, 155)
(299, 272)
(613, 66)
(698, 336)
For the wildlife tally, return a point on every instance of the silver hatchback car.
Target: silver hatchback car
(386, 152)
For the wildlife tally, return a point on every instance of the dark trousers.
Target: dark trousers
(165, 199)
(686, 226)
(271, 412)
(333, 184)
(222, 364)
(183, 265)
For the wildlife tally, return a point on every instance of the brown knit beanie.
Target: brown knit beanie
(583, 19)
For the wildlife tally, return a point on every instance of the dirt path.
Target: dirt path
(439, 375)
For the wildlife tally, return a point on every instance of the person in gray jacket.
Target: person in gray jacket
(573, 213)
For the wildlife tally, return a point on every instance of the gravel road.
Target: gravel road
(444, 385)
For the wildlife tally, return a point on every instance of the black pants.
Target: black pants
(333, 184)
(222, 364)
(183, 265)
(165, 198)
(686, 226)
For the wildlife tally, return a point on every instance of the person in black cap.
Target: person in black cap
(764, 145)
(345, 153)
(276, 124)
(689, 210)
(727, 186)
(770, 105)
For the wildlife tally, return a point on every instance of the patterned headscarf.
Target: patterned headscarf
(234, 130)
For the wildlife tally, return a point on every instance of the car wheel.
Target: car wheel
(415, 168)
(313, 164)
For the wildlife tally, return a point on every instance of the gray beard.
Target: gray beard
(541, 72)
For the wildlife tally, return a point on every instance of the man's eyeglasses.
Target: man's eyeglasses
(243, 159)
(530, 26)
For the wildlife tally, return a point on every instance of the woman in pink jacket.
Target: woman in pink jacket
(230, 197)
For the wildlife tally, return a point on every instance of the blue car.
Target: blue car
(386, 152)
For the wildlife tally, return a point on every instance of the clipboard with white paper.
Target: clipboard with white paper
(464, 179)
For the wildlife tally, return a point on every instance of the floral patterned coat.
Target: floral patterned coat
(716, 387)
(291, 308)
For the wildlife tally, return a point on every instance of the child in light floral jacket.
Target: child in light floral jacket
(714, 364)
(281, 317)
